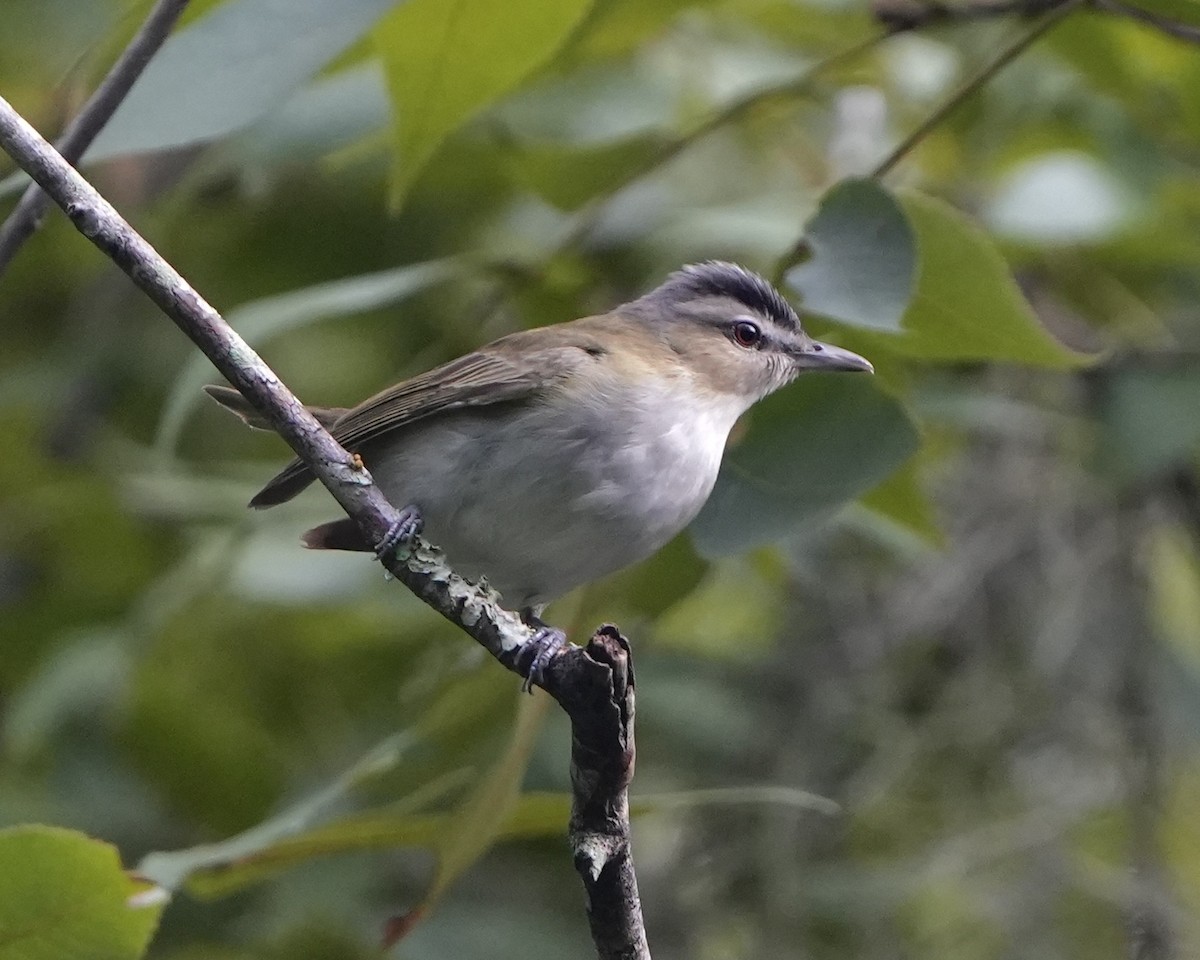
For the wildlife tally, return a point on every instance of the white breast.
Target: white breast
(658, 463)
(544, 498)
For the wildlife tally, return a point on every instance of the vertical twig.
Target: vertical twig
(27, 215)
(602, 762)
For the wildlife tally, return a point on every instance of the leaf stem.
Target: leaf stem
(972, 86)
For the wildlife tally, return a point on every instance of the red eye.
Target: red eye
(746, 334)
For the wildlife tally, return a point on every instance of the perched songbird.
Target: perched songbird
(555, 456)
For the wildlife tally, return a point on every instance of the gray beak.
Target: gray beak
(825, 356)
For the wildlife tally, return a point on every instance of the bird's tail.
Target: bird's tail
(295, 476)
(240, 407)
(336, 535)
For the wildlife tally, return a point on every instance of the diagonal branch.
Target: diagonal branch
(903, 15)
(975, 84)
(1172, 28)
(513, 276)
(27, 215)
(593, 684)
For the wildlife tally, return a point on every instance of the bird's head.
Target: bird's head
(734, 332)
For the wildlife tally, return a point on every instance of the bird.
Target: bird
(557, 455)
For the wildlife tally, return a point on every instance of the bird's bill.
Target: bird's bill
(827, 356)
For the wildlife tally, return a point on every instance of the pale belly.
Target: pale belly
(592, 495)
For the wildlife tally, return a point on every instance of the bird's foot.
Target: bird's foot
(542, 647)
(401, 533)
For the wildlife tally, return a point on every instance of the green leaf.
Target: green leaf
(335, 112)
(171, 869)
(375, 830)
(63, 894)
(231, 67)
(648, 588)
(493, 810)
(78, 681)
(862, 262)
(912, 275)
(823, 441)
(619, 26)
(446, 60)
(966, 305)
(259, 320)
(734, 613)
(570, 176)
(1174, 587)
(533, 815)
(1093, 46)
(756, 795)
(901, 500)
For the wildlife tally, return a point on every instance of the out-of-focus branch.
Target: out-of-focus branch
(593, 684)
(1172, 28)
(513, 277)
(901, 15)
(27, 215)
(1010, 53)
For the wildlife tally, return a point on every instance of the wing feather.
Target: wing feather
(511, 368)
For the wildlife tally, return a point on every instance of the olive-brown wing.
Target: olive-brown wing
(514, 368)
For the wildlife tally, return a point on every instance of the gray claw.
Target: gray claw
(545, 643)
(404, 529)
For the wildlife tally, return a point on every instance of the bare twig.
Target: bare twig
(972, 86)
(1172, 28)
(902, 15)
(797, 251)
(602, 760)
(27, 215)
(752, 100)
(594, 685)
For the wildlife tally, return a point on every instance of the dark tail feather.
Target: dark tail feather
(295, 476)
(336, 535)
(240, 407)
(283, 486)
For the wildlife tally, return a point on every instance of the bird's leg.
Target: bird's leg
(401, 533)
(544, 645)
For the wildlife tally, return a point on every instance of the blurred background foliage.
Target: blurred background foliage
(961, 601)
